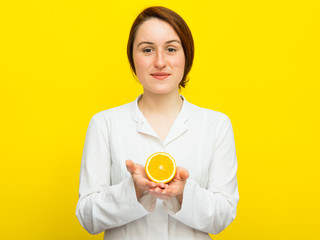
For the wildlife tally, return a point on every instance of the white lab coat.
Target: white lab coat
(200, 140)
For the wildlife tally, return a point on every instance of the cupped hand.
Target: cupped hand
(140, 179)
(174, 188)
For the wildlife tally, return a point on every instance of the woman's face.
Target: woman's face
(158, 57)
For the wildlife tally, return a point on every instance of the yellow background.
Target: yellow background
(257, 61)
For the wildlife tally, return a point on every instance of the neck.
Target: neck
(160, 103)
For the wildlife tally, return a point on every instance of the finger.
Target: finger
(161, 185)
(183, 173)
(157, 190)
(130, 166)
(146, 184)
(151, 184)
(173, 191)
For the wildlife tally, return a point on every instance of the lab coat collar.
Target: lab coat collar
(179, 126)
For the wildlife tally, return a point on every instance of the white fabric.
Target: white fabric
(200, 140)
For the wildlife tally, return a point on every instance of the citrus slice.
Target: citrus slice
(160, 167)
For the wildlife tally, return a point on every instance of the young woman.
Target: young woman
(115, 193)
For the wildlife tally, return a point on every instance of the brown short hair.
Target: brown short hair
(179, 26)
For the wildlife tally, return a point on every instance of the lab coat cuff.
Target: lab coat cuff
(173, 206)
(132, 197)
(147, 201)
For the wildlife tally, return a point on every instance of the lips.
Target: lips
(160, 75)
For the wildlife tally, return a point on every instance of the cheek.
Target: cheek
(180, 63)
(140, 64)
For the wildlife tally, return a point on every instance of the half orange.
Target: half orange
(160, 167)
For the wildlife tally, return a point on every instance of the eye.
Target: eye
(147, 50)
(171, 49)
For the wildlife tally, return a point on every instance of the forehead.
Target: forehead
(155, 30)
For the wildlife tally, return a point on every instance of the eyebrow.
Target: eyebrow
(151, 43)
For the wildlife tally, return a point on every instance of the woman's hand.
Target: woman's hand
(140, 179)
(174, 188)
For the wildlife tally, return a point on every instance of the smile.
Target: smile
(160, 75)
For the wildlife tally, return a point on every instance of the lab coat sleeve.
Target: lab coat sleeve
(102, 206)
(213, 208)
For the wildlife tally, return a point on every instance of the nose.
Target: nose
(159, 61)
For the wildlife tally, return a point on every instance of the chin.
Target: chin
(161, 91)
